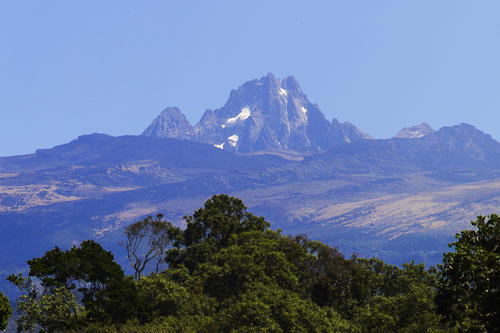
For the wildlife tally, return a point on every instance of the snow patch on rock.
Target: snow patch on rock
(233, 140)
(243, 115)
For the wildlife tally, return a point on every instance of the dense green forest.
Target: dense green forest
(229, 272)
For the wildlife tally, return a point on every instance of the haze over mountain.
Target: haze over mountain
(400, 199)
(267, 114)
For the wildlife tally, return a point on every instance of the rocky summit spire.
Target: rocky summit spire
(266, 114)
(171, 123)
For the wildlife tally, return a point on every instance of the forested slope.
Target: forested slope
(228, 272)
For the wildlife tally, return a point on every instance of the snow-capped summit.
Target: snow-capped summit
(270, 114)
(416, 131)
(266, 114)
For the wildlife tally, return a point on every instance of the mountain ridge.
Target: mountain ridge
(401, 199)
(327, 195)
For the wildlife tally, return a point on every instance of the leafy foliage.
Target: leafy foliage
(228, 272)
(221, 217)
(51, 312)
(5, 311)
(89, 268)
(395, 299)
(470, 284)
(90, 273)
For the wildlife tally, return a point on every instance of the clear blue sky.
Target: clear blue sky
(76, 67)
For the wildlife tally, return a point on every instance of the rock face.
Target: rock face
(267, 114)
(416, 131)
(171, 123)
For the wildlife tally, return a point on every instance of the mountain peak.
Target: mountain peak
(171, 123)
(350, 132)
(463, 144)
(416, 131)
(463, 130)
(270, 76)
(291, 83)
(266, 114)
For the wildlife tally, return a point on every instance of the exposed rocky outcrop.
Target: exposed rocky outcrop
(416, 131)
(171, 123)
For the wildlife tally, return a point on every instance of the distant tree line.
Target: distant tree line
(229, 272)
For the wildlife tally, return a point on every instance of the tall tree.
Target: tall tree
(87, 268)
(221, 217)
(210, 228)
(147, 241)
(5, 311)
(91, 273)
(469, 292)
(52, 311)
